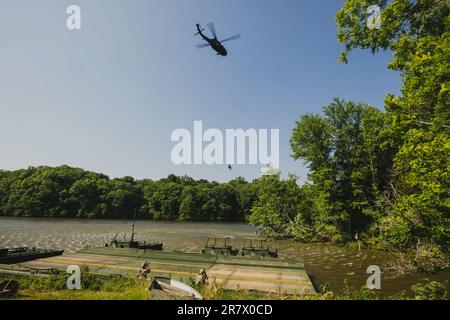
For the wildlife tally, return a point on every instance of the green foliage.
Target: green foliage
(277, 205)
(36, 283)
(417, 34)
(75, 193)
(93, 287)
(349, 152)
(362, 293)
(422, 206)
(403, 21)
(430, 291)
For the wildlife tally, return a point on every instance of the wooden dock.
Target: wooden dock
(246, 273)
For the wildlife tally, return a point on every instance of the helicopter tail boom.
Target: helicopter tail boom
(200, 30)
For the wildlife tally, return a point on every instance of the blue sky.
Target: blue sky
(107, 98)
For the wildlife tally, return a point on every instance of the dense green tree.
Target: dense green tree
(124, 197)
(72, 192)
(277, 205)
(193, 198)
(165, 202)
(246, 194)
(349, 153)
(403, 23)
(417, 34)
(223, 203)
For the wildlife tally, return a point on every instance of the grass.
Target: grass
(92, 288)
(82, 295)
(119, 288)
(422, 291)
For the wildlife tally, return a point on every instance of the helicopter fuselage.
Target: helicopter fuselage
(214, 43)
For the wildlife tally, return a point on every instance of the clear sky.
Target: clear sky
(107, 98)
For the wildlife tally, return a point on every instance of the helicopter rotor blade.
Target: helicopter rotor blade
(235, 37)
(199, 46)
(212, 28)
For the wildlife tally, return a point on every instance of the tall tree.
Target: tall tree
(349, 154)
(417, 33)
(276, 206)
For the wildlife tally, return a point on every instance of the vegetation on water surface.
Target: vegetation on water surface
(120, 288)
(382, 178)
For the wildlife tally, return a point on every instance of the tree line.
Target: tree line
(66, 192)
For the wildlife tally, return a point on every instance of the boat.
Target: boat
(257, 247)
(133, 244)
(23, 254)
(162, 288)
(219, 245)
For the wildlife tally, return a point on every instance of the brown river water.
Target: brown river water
(325, 263)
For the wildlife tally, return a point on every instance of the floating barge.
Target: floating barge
(230, 272)
(133, 244)
(23, 254)
(220, 245)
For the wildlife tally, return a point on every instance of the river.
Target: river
(325, 263)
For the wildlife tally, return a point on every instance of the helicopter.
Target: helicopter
(214, 43)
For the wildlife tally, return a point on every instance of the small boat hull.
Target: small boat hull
(169, 289)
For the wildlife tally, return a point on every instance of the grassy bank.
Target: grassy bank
(120, 288)
(92, 288)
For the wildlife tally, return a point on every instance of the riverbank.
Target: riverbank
(118, 288)
(325, 263)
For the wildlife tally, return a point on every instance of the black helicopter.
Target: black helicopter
(214, 43)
